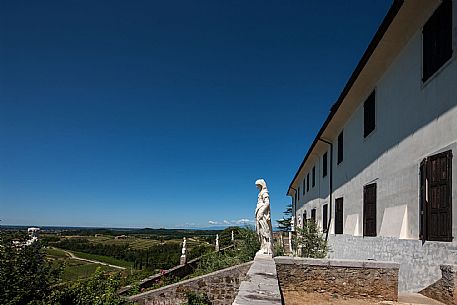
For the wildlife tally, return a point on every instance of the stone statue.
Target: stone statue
(184, 248)
(263, 218)
(183, 259)
(217, 242)
(233, 237)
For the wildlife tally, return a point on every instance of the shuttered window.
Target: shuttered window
(369, 210)
(324, 165)
(340, 148)
(313, 215)
(437, 39)
(304, 181)
(324, 217)
(339, 216)
(369, 114)
(314, 176)
(307, 182)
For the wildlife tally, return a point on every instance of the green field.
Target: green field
(74, 269)
(138, 243)
(103, 259)
(54, 253)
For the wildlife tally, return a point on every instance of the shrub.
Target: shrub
(309, 241)
(194, 298)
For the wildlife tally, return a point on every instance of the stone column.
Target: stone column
(290, 242)
(217, 242)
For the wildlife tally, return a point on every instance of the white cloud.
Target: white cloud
(244, 221)
(227, 222)
(212, 222)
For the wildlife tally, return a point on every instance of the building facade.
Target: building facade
(380, 178)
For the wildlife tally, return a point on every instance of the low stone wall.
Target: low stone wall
(221, 287)
(345, 278)
(179, 271)
(445, 289)
(261, 285)
(419, 263)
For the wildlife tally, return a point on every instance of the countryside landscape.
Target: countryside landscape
(228, 152)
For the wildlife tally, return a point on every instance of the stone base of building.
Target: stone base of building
(445, 289)
(419, 262)
(338, 278)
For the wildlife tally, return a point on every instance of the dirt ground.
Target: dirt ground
(296, 298)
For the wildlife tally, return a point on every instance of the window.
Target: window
(298, 192)
(304, 219)
(339, 216)
(340, 148)
(369, 115)
(369, 210)
(324, 217)
(437, 39)
(313, 215)
(307, 182)
(324, 165)
(304, 181)
(314, 176)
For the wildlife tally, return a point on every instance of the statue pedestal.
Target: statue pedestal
(183, 260)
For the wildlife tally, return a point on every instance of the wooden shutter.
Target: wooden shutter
(339, 216)
(437, 39)
(324, 217)
(313, 214)
(369, 210)
(314, 176)
(369, 114)
(423, 201)
(324, 165)
(307, 182)
(439, 197)
(340, 147)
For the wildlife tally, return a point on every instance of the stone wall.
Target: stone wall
(221, 287)
(419, 263)
(344, 278)
(445, 289)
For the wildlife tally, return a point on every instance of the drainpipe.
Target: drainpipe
(331, 186)
(294, 206)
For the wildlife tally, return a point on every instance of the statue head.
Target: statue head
(261, 184)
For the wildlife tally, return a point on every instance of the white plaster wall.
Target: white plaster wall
(413, 120)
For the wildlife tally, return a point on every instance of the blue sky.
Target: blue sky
(164, 113)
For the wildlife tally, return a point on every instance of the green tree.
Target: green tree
(285, 223)
(309, 241)
(99, 289)
(26, 276)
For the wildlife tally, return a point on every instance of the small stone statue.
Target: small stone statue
(233, 237)
(184, 246)
(263, 218)
(183, 259)
(217, 242)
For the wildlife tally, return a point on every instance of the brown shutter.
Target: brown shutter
(339, 216)
(324, 217)
(369, 210)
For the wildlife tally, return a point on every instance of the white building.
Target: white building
(380, 174)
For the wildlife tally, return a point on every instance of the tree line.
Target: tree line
(163, 256)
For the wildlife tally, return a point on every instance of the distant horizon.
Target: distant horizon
(216, 227)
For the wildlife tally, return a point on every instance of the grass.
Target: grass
(54, 253)
(103, 259)
(75, 270)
